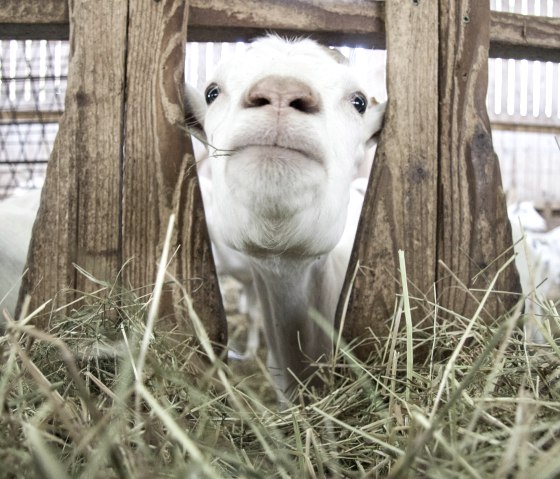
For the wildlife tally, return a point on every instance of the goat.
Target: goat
(287, 124)
(524, 212)
(230, 262)
(537, 261)
(17, 215)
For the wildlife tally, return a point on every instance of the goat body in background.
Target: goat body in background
(17, 215)
(537, 259)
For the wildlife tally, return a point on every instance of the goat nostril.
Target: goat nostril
(261, 101)
(304, 105)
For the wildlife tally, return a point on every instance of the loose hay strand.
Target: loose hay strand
(409, 328)
(46, 461)
(188, 444)
(154, 305)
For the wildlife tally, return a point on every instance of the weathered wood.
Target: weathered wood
(159, 169)
(34, 12)
(356, 23)
(473, 228)
(22, 116)
(527, 127)
(78, 218)
(520, 36)
(34, 19)
(400, 209)
(435, 188)
(122, 164)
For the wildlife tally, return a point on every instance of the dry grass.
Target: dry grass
(106, 394)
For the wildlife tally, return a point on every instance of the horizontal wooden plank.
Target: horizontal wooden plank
(34, 31)
(34, 12)
(356, 23)
(524, 37)
(527, 127)
(34, 19)
(28, 116)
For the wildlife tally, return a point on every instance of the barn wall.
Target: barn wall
(524, 106)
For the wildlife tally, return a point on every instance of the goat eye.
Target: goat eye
(359, 101)
(212, 93)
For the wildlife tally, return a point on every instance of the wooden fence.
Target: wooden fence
(523, 106)
(435, 190)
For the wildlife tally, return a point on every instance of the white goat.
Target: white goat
(17, 215)
(537, 261)
(288, 126)
(230, 262)
(524, 212)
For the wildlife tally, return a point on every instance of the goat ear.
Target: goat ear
(374, 120)
(195, 109)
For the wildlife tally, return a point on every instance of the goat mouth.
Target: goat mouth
(277, 152)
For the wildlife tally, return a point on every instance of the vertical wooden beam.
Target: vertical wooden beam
(77, 221)
(473, 229)
(122, 165)
(400, 209)
(435, 188)
(159, 169)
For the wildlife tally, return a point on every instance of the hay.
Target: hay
(102, 395)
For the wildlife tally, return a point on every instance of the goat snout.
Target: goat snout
(282, 92)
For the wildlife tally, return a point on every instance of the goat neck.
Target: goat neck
(296, 295)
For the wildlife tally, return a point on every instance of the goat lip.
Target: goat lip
(277, 150)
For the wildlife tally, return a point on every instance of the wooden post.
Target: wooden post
(473, 227)
(78, 220)
(122, 164)
(159, 170)
(400, 207)
(435, 188)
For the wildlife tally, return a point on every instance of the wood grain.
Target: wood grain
(401, 201)
(34, 19)
(524, 37)
(435, 188)
(352, 23)
(122, 164)
(77, 221)
(34, 11)
(357, 23)
(159, 168)
(473, 228)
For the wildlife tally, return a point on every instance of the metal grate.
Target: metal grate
(33, 76)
